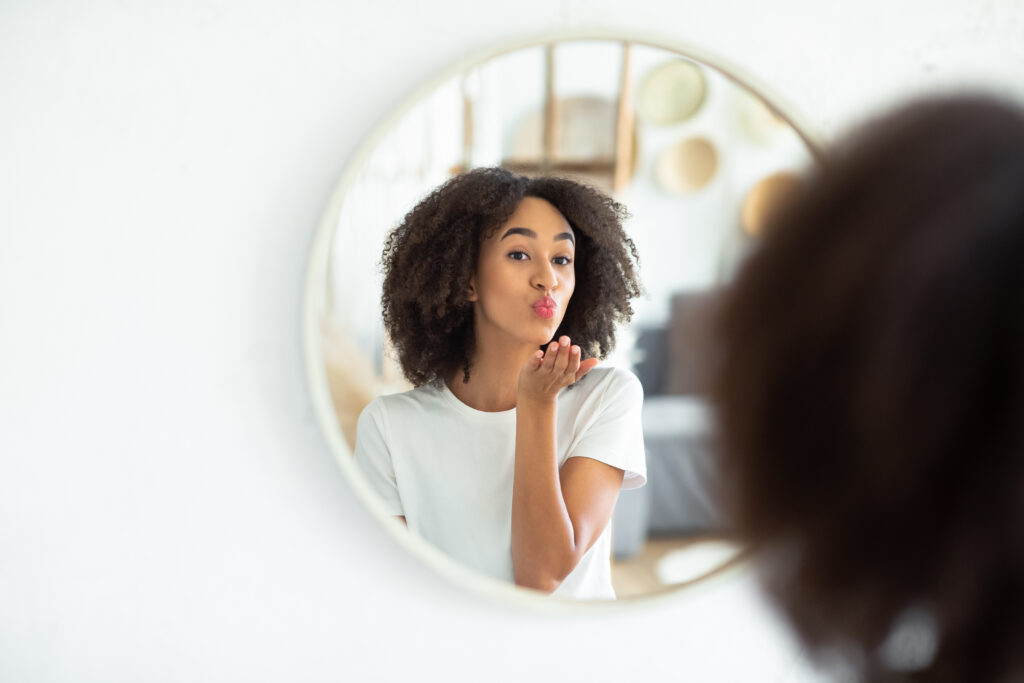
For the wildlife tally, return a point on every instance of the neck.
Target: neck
(494, 374)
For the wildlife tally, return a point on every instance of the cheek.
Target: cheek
(492, 277)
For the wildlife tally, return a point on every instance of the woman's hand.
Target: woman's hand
(547, 372)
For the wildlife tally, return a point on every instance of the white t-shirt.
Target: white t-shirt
(448, 467)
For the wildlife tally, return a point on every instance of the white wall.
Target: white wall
(168, 507)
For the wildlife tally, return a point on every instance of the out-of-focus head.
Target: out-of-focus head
(871, 391)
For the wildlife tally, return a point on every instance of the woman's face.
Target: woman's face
(525, 275)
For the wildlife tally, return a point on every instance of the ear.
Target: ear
(471, 295)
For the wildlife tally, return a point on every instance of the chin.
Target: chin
(538, 339)
(539, 335)
(548, 336)
(542, 331)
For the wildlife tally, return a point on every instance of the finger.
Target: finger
(536, 360)
(574, 362)
(585, 367)
(550, 355)
(562, 361)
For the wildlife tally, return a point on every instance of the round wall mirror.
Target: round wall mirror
(694, 153)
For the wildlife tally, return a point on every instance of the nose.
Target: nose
(544, 277)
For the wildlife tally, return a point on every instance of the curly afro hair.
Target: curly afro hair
(429, 258)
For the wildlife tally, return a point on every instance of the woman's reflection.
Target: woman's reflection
(501, 293)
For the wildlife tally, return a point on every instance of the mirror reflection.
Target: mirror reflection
(586, 470)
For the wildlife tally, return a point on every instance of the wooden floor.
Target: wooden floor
(638, 575)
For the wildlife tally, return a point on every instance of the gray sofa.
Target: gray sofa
(674, 365)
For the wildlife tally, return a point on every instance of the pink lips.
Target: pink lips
(545, 307)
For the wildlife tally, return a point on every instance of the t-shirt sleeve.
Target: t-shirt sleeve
(615, 435)
(373, 458)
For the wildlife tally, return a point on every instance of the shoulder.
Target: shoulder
(424, 398)
(387, 411)
(615, 379)
(610, 384)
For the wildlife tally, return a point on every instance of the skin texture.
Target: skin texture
(556, 515)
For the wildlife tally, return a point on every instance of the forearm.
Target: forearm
(544, 548)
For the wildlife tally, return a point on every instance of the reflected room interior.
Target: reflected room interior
(698, 159)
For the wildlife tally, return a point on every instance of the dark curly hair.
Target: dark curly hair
(429, 258)
(871, 396)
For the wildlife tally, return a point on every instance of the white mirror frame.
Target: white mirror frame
(314, 303)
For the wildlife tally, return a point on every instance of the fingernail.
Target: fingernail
(575, 349)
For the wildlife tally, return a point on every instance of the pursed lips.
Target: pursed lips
(545, 307)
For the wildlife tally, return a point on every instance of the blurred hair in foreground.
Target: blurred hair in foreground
(871, 397)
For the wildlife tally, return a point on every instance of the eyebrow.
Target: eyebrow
(531, 233)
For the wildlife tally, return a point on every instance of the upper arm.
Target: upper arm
(373, 457)
(589, 489)
(608, 451)
(613, 431)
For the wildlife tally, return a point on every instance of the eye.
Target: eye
(562, 260)
(518, 255)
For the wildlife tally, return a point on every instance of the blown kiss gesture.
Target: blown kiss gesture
(545, 373)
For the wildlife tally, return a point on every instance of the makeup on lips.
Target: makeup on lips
(545, 307)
